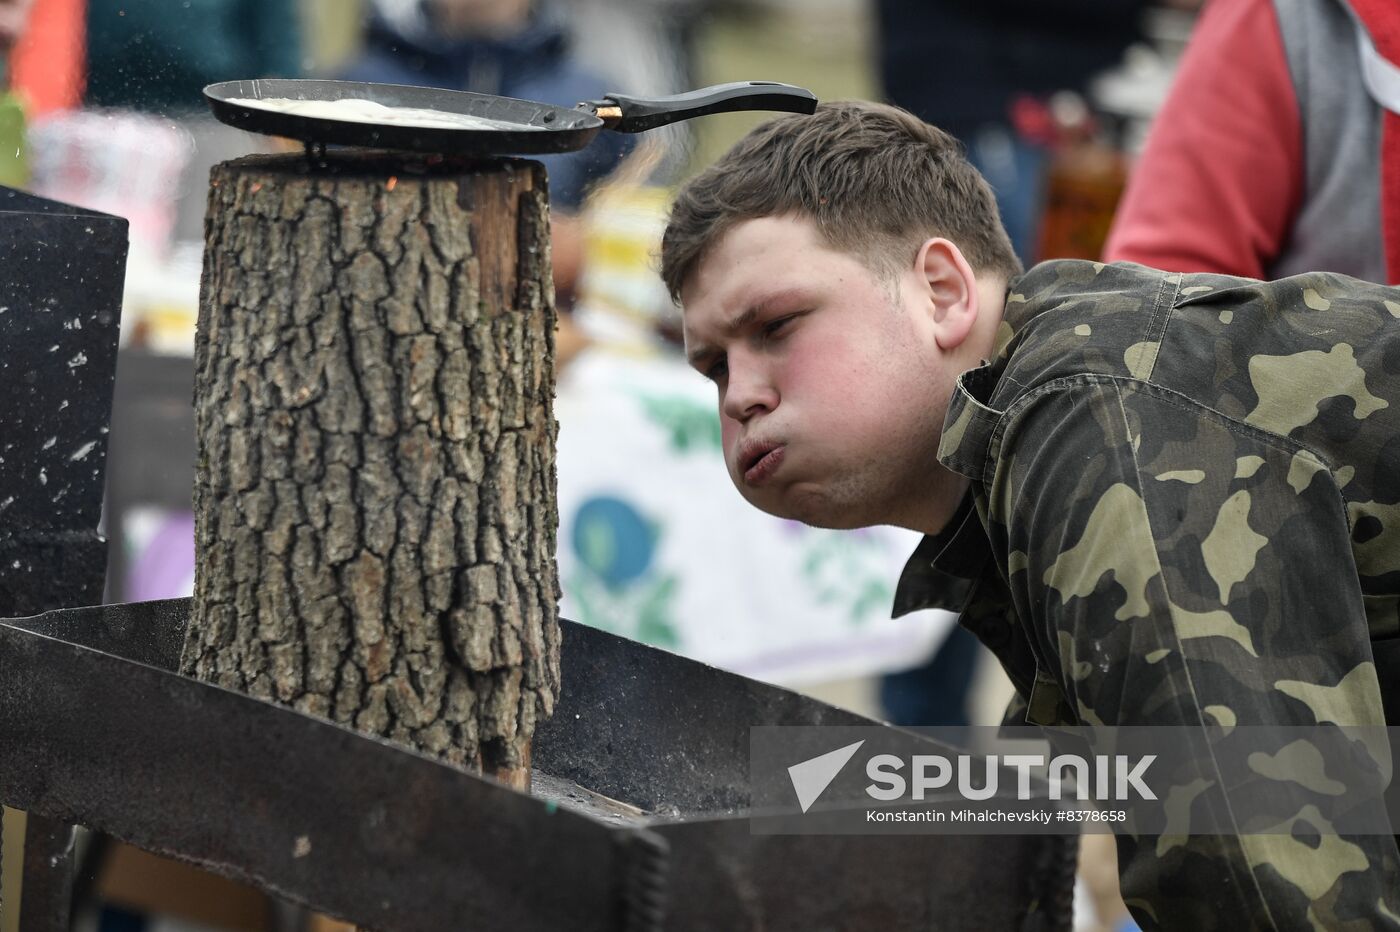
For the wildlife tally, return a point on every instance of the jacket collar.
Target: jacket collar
(945, 566)
(970, 424)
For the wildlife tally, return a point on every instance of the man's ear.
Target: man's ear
(951, 291)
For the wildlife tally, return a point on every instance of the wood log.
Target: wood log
(375, 500)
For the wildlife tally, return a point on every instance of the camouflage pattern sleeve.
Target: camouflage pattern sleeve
(1172, 566)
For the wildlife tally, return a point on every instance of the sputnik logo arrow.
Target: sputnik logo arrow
(811, 777)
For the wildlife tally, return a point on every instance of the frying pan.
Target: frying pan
(519, 127)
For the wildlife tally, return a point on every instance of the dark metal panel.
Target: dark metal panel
(671, 735)
(150, 633)
(60, 301)
(60, 304)
(325, 817)
(790, 883)
(393, 840)
(623, 704)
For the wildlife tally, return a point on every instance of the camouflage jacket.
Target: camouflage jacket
(1185, 509)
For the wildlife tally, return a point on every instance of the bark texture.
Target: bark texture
(375, 504)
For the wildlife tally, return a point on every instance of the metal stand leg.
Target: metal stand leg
(46, 900)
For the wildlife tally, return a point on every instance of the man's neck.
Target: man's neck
(991, 303)
(947, 492)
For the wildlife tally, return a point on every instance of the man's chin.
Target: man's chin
(810, 509)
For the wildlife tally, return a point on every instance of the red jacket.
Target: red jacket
(1221, 181)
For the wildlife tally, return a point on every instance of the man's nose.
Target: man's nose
(749, 391)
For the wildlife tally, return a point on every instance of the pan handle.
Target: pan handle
(644, 113)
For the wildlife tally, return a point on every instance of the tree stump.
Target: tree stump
(375, 501)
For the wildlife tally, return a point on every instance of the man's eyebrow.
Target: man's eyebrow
(703, 352)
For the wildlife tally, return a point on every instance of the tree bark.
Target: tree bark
(375, 500)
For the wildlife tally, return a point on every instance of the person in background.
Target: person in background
(510, 48)
(1278, 149)
(965, 66)
(43, 42)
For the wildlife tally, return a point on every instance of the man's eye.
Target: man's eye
(775, 327)
(717, 371)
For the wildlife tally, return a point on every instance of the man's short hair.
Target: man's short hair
(876, 180)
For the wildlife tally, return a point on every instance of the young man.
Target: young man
(1158, 499)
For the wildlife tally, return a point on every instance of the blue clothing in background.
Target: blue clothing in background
(157, 55)
(533, 64)
(1015, 168)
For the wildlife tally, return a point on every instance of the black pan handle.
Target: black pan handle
(644, 113)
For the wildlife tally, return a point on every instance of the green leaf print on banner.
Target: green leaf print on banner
(690, 425)
(642, 611)
(848, 569)
(653, 624)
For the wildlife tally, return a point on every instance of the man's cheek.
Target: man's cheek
(728, 435)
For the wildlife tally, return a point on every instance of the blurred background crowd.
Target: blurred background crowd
(101, 107)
